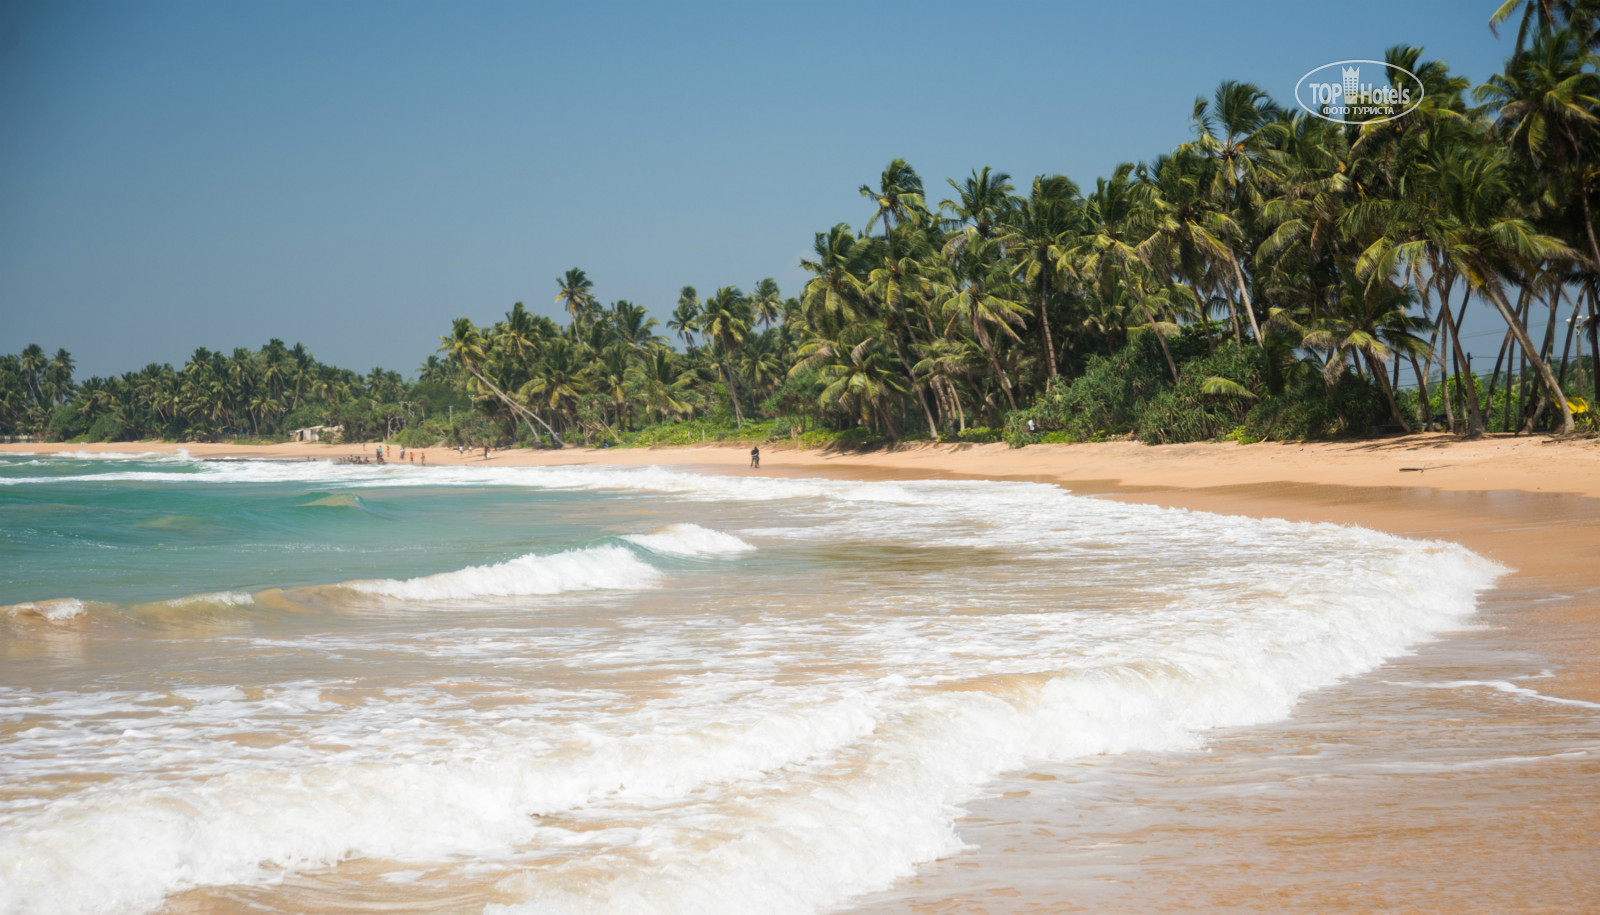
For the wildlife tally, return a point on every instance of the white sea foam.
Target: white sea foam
(690, 540)
(56, 610)
(1504, 686)
(594, 568)
(745, 756)
(223, 598)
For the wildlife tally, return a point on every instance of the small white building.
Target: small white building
(314, 433)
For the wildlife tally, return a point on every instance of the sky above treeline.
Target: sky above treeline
(354, 175)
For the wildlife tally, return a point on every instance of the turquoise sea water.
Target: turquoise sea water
(309, 686)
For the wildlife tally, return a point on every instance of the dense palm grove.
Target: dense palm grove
(1278, 276)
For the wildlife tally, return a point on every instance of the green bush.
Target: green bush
(1131, 393)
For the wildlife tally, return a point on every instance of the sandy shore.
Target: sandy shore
(1486, 810)
(1530, 503)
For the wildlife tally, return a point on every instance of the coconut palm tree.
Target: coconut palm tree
(1121, 216)
(466, 347)
(898, 196)
(576, 294)
(1039, 231)
(686, 316)
(725, 322)
(976, 291)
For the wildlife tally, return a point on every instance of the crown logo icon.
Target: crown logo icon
(1352, 81)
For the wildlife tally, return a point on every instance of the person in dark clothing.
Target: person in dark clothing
(755, 457)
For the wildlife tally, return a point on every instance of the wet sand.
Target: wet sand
(1430, 784)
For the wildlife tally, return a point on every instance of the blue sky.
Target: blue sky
(354, 175)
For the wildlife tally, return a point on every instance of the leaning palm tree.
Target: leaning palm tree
(466, 347)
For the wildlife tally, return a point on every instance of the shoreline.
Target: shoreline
(1321, 840)
(1531, 504)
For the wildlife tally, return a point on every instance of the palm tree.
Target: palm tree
(837, 286)
(1039, 232)
(632, 325)
(556, 382)
(466, 347)
(898, 196)
(686, 316)
(575, 294)
(1119, 218)
(1231, 136)
(976, 291)
(983, 200)
(725, 322)
(661, 379)
(1547, 100)
(766, 302)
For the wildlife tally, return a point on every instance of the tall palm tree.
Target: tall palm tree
(837, 286)
(576, 294)
(686, 316)
(725, 322)
(980, 205)
(1231, 136)
(766, 302)
(898, 196)
(1038, 233)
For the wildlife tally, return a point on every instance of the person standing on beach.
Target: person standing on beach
(755, 457)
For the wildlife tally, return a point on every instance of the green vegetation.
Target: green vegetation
(1267, 279)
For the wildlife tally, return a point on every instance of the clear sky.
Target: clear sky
(353, 175)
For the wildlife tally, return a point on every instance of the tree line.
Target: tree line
(1279, 275)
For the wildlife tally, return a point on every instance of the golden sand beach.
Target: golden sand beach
(1435, 803)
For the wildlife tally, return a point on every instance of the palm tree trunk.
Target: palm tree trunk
(1594, 342)
(1424, 403)
(1162, 341)
(1539, 365)
(516, 409)
(994, 362)
(1444, 375)
(733, 393)
(1572, 329)
(1044, 324)
(1249, 308)
(1475, 425)
(1388, 392)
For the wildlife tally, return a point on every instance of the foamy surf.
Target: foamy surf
(777, 735)
(690, 541)
(595, 568)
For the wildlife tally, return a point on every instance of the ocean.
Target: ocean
(305, 686)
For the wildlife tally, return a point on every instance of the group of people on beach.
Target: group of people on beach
(378, 457)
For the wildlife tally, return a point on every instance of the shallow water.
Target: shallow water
(307, 686)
